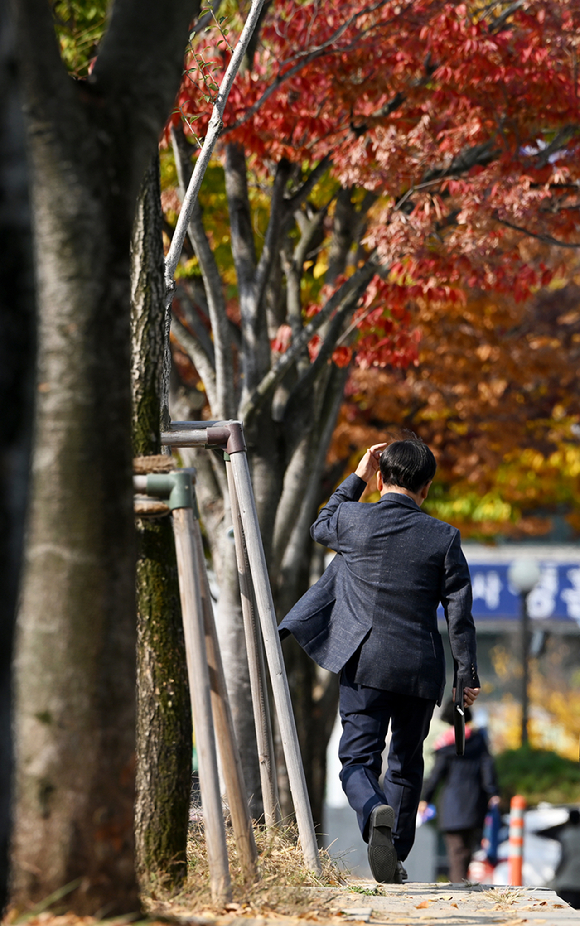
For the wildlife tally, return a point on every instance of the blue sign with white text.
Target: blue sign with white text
(555, 597)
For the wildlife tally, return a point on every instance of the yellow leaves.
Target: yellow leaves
(554, 704)
(501, 661)
(319, 269)
(492, 508)
(492, 389)
(487, 352)
(533, 459)
(471, 506)
(567, 459)
(547, 342)
(186, 268)
(459, 427)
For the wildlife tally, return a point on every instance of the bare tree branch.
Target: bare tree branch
(295, 497)
(331, 338)
(200, 359)
(214, 130)
(275, 224)
(359, 279)
(225, 407)
(195, 322)
(299, 196)
(547, 239)
(303, 59)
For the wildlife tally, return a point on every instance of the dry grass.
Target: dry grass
(504, 896)
(281, 890)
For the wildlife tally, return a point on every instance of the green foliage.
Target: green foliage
(368, 891)
(79, 26)
(538, 775)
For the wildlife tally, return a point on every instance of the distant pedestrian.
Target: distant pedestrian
(469, 788)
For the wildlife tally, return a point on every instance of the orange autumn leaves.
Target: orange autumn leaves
(497, 396)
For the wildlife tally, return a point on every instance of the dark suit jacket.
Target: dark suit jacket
(380, 595)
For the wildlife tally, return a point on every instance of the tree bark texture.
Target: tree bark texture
(164, 730)
(90, 143)
(17, 347)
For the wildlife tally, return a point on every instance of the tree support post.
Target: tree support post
(179, 488)
(192, 567)
(224, 726)
(229, 436)
(255, 654)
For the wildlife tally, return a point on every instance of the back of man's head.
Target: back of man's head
(408, 464)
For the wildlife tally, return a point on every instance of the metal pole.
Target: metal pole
(255, 654)
(224, 725)
(275, 659)
(229, 436)
(525, 649)
(199, 687)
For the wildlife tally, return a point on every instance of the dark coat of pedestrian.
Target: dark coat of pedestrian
(468, 787)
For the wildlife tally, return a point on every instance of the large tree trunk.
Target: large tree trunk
(76, 654)
(17, 337)
(74, 821)
(164, 731)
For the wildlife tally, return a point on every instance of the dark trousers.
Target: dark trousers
(460, 845)
(365, 714)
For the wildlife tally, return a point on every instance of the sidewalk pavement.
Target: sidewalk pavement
(416, 904)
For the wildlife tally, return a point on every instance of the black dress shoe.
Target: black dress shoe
(400, 874)
(381, 851)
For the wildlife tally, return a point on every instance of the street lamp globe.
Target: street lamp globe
(524, 574)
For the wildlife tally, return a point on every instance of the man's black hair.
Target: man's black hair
(408, 464)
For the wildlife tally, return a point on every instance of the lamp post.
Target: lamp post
(524, 575)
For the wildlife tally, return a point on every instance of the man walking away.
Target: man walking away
(373, 617)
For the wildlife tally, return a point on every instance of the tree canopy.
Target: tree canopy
(458, 118)
(431, 149)
(496, 396)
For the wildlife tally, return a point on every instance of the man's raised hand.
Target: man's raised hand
(369, 464)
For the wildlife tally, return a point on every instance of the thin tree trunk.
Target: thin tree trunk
(164, 731)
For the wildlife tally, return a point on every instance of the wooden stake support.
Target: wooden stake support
(228, 436)
(199, 686)
(209, 701)
(224, 726)
(255, 652)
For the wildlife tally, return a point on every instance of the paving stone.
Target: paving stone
(416, 904)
